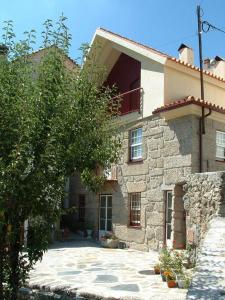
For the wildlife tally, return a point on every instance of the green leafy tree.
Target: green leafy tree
(54, 120)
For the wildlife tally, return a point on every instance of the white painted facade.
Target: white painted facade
(181, 81)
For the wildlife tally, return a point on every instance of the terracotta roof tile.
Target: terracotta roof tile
(187, 101)
(195, 68)
(52, 46)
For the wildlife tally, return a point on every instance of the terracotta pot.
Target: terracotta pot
(110, 243)
(157, 270)
(171, 283)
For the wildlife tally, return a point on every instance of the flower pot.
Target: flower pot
(157, 270)
(171, 283)
(180, 281)
(110, 243)
(181, 284)
(89, 232)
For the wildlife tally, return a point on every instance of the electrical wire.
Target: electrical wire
(209, 26)
(178, 40)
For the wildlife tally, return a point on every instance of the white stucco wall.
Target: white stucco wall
(181, 81)
(152, 82)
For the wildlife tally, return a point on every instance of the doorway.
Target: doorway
(168, 218)
(105, 214)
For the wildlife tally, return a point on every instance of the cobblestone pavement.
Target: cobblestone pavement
(209, 279)
(107, 273)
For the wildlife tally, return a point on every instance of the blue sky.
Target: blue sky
(162, 24)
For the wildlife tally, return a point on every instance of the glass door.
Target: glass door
(105, 214)
(169, 210)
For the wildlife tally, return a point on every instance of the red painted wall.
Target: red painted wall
(126, 76)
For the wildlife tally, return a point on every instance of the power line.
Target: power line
(178, 40)
(206, 26)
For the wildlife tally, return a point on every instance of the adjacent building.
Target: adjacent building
(167, 134)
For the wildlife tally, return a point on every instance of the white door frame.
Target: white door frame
(105, 218)
(169, 218)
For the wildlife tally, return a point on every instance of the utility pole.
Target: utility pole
(200, 50)
(202, 118)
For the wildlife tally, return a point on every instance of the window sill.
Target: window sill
(221, 161)
(134, 227)
(135, 161)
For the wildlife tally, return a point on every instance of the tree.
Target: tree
(54, 120)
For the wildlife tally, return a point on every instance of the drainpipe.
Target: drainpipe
(201, 132)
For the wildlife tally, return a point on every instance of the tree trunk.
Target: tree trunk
(14, 279)
(3, 233)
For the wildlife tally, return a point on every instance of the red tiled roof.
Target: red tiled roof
(187, 101)
(174, 59)
(195, 68)
(43, 49)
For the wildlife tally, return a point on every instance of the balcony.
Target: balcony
(130, 101)
(110, 174)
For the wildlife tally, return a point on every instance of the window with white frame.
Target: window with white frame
(136, 144)
(135, 209)
(220, 145)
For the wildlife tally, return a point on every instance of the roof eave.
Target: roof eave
(129, 45)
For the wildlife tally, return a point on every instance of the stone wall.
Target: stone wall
(167, 149)
(204, 199)
(210, 164)
(170, 155)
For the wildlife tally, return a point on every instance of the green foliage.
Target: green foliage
(165, 259)
(55, 119)
(171, 260)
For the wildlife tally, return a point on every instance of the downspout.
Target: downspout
(201, 132)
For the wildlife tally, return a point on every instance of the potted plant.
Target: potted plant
(170, 278)
(89, 228)
(187, 282)
(109, 240)
(180, 279)
(165, 259)
(157, 268)
(177, 262)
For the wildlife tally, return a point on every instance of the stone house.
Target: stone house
(168, 133)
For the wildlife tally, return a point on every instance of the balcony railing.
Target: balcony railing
(111, 174)
(131, 101)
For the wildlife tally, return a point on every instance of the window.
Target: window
(135, 209)
(220, 145)
(136, 144)
(81, 208)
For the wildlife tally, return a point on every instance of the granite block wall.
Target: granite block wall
(203, 200)
(170, 155)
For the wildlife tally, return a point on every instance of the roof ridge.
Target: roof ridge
(52, 46)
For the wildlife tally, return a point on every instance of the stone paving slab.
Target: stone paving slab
(209, 279)
(85, 269)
